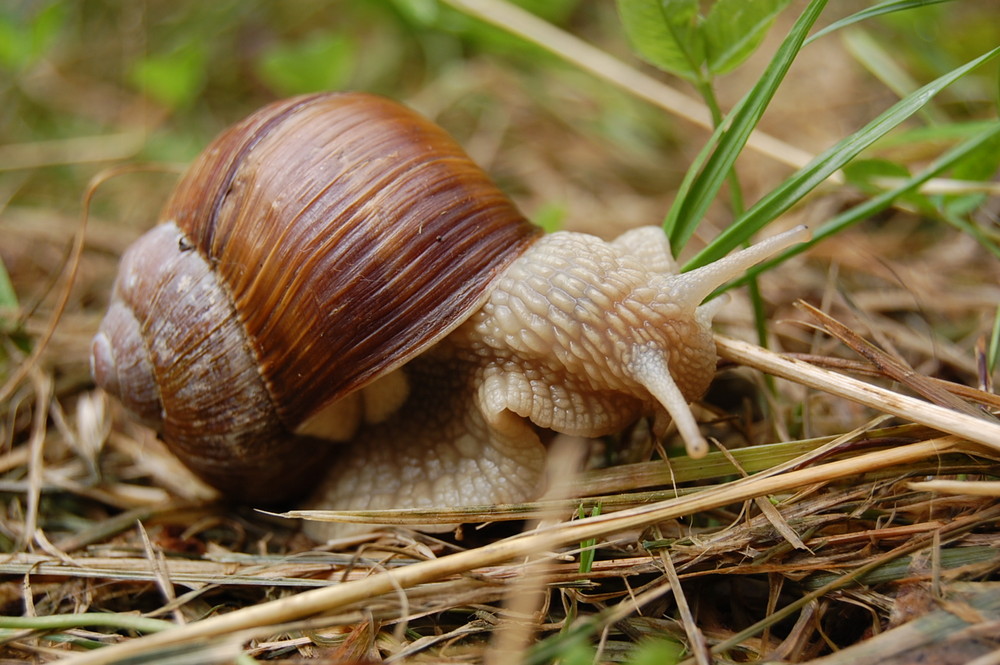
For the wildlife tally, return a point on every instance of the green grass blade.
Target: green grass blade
(816, 172)
(688, 211)
(588, 547)
(878, 203)
(672, 220)
(87, 620)
(872, 12)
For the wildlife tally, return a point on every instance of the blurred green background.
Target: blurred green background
(154, 80)
(90, 84)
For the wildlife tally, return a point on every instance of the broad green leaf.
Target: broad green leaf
(578, 654)
(173, 79)
(817, 171)
(733, 29)
(690, 207)
(666, 33)
(321, 62)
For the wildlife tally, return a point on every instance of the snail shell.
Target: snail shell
(318, 247)
(319, 244)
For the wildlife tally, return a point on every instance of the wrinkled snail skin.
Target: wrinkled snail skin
(579, 336)
(336, 290)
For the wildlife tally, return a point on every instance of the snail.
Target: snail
(337, 300)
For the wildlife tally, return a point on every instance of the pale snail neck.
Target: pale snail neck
(558, 338)
(579, 337)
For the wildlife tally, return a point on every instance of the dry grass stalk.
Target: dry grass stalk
(264, 617)
(973, 428)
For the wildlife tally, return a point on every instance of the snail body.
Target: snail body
(336, 293)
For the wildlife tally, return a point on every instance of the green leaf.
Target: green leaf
(734, 29)
(26, 38)
(321, 62)
(573, 640)
(823, 166)
(666, 33)
(174, 79)
(691, 204)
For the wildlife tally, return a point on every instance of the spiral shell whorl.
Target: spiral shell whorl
(173, 351)
(357, 215)
(119, 363)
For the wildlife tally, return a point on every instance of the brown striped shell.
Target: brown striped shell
(310, 249)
